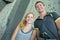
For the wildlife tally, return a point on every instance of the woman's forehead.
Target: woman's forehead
(30, 15)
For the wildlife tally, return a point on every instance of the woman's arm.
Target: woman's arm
(15, 33)
(35, 34)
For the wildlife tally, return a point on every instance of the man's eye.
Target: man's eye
(40, 5)
(31, 17)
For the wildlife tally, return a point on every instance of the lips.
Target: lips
(29, 20)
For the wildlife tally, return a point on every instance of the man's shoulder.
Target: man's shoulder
(36, 20)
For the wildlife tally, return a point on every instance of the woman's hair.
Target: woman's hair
(39, 2)
(23, 22)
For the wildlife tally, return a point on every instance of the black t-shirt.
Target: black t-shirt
(47, 25)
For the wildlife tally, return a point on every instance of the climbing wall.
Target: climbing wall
(11, 14)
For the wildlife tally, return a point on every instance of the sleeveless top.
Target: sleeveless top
(23, 36)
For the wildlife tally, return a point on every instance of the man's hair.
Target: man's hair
(39, 2)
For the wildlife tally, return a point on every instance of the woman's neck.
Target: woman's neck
(28, 25)
(27, 28)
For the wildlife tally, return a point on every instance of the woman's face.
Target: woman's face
(30, 18)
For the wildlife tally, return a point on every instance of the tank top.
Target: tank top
(23, 36)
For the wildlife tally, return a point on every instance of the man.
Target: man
(47, 23)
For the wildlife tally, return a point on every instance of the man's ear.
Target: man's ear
(8, 1)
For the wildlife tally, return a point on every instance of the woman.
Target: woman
(24, 30)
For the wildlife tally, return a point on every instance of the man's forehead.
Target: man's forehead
(40, 3)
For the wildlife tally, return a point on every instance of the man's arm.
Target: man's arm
(35, 34)
(56, 18)
(33, 37)
(37, 30)
(57, 21)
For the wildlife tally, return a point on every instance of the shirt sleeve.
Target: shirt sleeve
(35, 25)
(56, 17)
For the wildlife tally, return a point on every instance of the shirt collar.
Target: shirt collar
(46, 15)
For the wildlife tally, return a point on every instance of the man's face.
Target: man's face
(40, 7)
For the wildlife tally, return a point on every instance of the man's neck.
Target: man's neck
(42, 14)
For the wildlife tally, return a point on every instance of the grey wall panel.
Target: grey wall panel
(15, 17)
(2, 4)
(4, 16)
(9, 0)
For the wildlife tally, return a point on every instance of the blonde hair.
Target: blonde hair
(23, 22)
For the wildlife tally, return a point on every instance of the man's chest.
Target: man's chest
(47, 22)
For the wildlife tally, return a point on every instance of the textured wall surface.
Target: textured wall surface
(2, 4)
(10, 16)
(4, 13)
